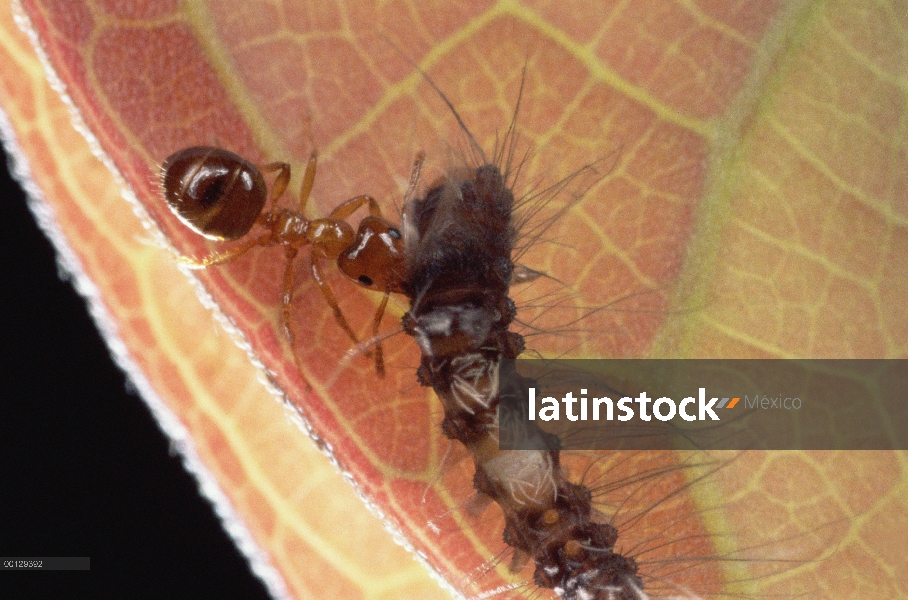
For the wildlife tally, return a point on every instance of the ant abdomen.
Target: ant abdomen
(216, 193)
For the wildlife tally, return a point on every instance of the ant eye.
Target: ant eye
(394, 233)
(366, 281)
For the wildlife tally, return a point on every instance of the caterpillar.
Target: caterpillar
(461, 240)
(457, 241)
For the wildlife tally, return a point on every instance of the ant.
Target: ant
(221, 196)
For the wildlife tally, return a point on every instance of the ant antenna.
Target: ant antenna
(366, 346)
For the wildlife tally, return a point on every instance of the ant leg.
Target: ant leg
(414, 176)
(308, 181)
(330, 298)
(280, 182)
(379, 354)
(225, 256)
(347, 208)
(287, 304)
(411, 189)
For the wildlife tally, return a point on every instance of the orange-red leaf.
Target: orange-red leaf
(754, 204)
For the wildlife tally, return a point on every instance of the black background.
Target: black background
(85, 469)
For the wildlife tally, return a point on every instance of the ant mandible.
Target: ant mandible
(221, 196)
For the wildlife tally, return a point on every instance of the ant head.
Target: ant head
(376, 258)
(216, 193)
